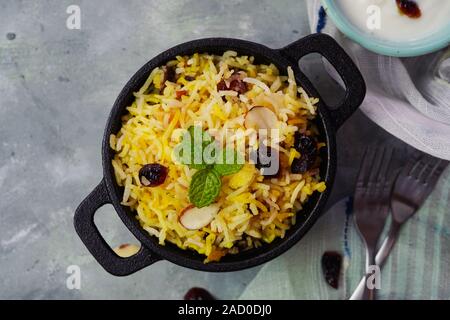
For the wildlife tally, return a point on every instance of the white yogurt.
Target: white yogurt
(393, 25)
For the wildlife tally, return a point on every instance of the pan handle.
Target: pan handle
(335, 54)
(97, 246)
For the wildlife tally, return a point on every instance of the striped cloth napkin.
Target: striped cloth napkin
(418, 267)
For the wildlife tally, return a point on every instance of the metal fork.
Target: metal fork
(371, 203)
(413, 185)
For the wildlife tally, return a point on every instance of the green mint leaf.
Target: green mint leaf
(204, 187)
(227, 169)
(228, 162)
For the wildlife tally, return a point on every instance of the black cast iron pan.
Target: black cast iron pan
(328, 122)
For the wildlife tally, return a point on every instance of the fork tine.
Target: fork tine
(376, 165)
(410, 164)
(382, 175)
(418, 168)
(435, 172)
(428, 165)
(365, 167)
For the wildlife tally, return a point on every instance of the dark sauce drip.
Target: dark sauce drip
(198, 294)
(409, 8)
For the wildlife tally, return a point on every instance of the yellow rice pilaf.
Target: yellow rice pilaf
(253, 210)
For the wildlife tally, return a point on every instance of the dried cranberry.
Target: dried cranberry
(331, 267)
(198, 294)
(267, 160)
(152, 175)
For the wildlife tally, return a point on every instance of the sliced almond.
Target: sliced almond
(260, 118)
(126, 250)
(189, 207)
(193, 218)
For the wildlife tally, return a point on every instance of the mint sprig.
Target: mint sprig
(206, 183)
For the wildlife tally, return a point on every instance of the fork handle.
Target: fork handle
(388, 244)
(380, 259)
(369, 294)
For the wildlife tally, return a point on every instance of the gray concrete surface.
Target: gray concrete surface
(56, 89)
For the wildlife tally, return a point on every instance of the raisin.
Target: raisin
(152, 175)
(304, 163)
(299, 165)
(198, 294)
(331, 268)
(304, 144)
(267, 160)
(169, 75)
(235, 84)
(222, 86)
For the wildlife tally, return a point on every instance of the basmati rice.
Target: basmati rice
(253, 209)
